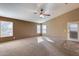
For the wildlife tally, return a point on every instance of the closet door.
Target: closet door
(73, 31)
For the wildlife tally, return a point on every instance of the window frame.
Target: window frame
(8, 35)
(44, 28)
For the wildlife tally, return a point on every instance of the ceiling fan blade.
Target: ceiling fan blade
(41, 11)
(38, 9)
(39, 6)
(47, 14)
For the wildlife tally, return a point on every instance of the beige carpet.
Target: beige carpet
(36, 46)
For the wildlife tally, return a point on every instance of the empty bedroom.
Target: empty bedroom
(39, 29)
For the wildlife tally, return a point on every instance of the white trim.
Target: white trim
(69, 34)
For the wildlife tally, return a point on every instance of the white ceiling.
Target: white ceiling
(25, 11)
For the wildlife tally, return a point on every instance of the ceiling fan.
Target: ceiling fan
(42, 13)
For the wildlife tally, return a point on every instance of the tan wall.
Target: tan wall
(22, 29)
(58, 25)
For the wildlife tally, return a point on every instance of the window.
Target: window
(73, 27)
(6, 29)
(38, 29)
(44, 28)
(73, 31)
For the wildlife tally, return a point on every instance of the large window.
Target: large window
(38, 29)
(6, 29)
(73, 27)
(44, 28)
(41, 28)
(73, 31)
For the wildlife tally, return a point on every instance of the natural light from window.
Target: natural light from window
(38, 29)
(39, 39)
(48, 39)
(6, 28)
(73, 27)
(44, 38)
(44, 28)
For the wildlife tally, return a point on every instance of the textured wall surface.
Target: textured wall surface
(21, 29)
(58, 25)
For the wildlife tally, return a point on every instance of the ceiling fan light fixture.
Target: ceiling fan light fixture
(42, 16)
